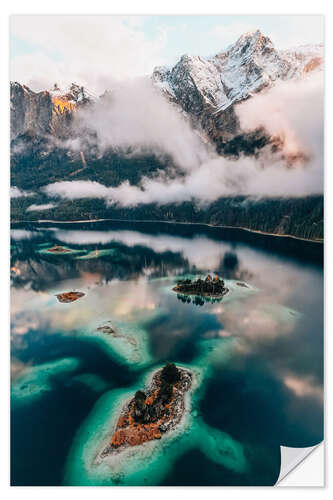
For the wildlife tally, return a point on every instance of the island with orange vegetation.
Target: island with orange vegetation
(58, 249)
(209, 287)
(67, 297)
(149, 415)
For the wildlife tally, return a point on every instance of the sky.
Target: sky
(100, 50)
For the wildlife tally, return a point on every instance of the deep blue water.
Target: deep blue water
(269, 393)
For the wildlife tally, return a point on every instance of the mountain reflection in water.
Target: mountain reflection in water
(266, 394)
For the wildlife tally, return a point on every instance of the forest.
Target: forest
(36, 163)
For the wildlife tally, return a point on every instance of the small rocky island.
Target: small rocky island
(67, 297)
(58, 249)
(209, 287)
(149, 415)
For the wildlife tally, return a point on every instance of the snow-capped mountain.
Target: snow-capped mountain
(246, 67)
(207, 89)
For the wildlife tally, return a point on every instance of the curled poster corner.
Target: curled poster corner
(291, 458)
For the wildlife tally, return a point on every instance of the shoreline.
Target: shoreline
(202, 294)
(206, 224)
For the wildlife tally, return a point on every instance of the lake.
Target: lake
(257, 353)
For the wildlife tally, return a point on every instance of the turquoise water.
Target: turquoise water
(256, 355)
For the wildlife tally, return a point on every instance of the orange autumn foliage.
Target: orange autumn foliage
(132, 433)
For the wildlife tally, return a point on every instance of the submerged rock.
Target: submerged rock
(67, 297)
(148, 415)
(109, 330)
(242, 284)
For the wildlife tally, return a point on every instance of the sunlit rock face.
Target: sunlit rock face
(30, 111)
(46, 112)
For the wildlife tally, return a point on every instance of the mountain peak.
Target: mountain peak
(187, 59)
(243, 69)
(251, 42)
(252, 34)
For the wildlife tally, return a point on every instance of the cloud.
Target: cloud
(198, 250)
(292, 111)
(304, 387)
(15, 192)
(138, 117)
(45, 206)
(93, 50)
(22, 234)
(217, 178)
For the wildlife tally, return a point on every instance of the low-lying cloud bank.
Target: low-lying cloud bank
(15, 192)
(293, 112)
(45, 206)
(138, 117)
(212, 180)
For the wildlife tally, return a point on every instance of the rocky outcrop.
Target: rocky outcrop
(47, 112)
(108, 329)
(30, 111)
(149, 415)
(67, 297)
